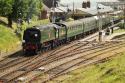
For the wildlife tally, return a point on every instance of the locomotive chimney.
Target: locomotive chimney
(88, 3)
(84, 4)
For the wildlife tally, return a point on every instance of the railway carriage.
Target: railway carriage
(74, 29)
(90, 25)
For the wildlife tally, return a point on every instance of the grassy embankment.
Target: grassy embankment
(8, 39)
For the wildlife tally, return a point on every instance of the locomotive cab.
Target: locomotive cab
(31, 40)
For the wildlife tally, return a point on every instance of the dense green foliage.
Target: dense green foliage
(23, 9)
(5, 7)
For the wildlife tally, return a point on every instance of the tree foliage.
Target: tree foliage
(6, 7)
(23, 9)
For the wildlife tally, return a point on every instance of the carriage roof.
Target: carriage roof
(78, 22)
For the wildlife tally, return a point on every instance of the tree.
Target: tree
(15, 9)
(6, 9)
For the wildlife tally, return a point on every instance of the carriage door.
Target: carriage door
(56, 33)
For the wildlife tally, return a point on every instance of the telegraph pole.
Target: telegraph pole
(124, 15)
(73, 9)
(53, 12)
(99, 23)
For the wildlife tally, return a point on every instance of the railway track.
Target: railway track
(11, 67)
(32, 67)
(12, 58)
(121, 37)
(10, 61)
(84, 59)
(15, 62)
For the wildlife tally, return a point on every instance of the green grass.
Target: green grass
(112, 71)
(8, 39)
